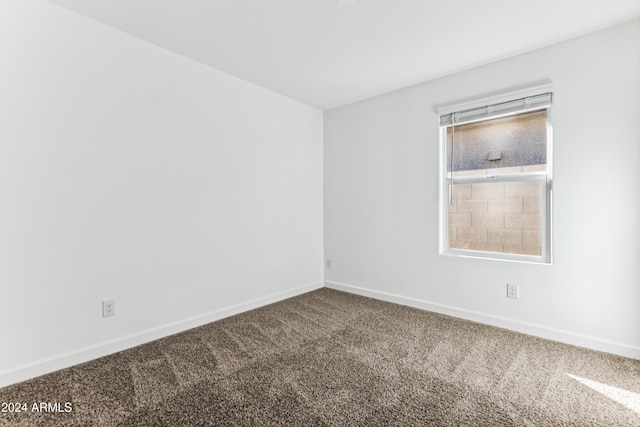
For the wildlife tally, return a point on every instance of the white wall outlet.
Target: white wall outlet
(108, 308)
(328, 263)
(512, 291)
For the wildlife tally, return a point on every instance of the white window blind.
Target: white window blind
(492, 111)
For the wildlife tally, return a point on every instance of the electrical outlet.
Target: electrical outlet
(512, 291)
(108, 308)
(329, 263)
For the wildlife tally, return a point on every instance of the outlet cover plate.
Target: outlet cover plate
(108, 308)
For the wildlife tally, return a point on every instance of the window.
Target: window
(496, 178)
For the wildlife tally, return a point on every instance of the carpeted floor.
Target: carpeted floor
(331, 358)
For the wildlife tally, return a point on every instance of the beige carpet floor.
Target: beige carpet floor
(332, 358)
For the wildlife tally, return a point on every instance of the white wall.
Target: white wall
(129, 172)
(381, 198)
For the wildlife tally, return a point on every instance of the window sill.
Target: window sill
(495, 256)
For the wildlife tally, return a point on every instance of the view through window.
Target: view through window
(497, 183)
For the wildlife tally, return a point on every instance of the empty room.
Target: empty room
(319, 212)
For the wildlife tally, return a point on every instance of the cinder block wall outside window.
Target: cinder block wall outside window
(500, 217)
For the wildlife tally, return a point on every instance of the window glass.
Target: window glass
(484, 147)
(497, 186)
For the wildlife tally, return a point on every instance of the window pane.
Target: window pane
(499, 146)
(503, 216)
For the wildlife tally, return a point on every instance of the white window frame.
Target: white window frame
(544, 177)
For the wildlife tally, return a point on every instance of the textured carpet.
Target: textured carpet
(331, 358)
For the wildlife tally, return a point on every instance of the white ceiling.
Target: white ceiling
(326, 54)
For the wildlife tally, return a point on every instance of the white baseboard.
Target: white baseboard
(554, 334)
(85, 354)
